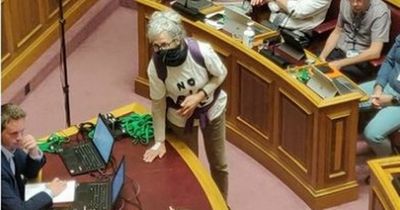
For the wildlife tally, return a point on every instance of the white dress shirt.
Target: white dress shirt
(307, 14)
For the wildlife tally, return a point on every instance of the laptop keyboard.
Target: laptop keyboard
(88, 156)
(99, 193)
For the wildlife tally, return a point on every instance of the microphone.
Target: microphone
(192, 7)
(270, 54)
(185, 9)
(280, 28)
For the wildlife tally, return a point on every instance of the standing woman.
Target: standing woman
(185, 78)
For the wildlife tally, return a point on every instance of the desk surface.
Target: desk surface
(178, 179)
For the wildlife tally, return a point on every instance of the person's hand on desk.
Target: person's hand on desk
(56, 186)
(158, 149)
(336, 64)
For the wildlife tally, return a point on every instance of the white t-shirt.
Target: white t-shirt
(307, 14)
(184, 80)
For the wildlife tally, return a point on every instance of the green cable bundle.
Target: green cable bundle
(52, 144)
(139, 127)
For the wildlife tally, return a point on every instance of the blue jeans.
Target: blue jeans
(385, 122)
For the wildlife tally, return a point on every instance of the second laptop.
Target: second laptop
(91, 155)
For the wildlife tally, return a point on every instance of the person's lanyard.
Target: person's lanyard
(355, 27)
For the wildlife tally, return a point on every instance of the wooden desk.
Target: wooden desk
(382, 194)
(178, 179)
(306, 141)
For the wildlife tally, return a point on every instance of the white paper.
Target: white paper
(68, 195)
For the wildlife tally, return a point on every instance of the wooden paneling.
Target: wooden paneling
(6, 45)
(296, 129)
(338, 145)
(51, 12)
(253, 108)
(27, 22)
(29, 27)
(376, 203)
(337, 149)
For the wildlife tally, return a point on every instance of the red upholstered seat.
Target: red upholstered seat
(394, 31)
(330, 20)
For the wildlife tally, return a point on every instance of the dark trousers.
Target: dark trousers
(360, 72)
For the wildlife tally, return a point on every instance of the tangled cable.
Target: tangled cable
(53, 143)
(139, 127)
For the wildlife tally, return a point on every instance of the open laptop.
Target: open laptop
(328, 87)
(102, 194)
(321, 84)
(91, 155)
(291, 46)
(236, 23)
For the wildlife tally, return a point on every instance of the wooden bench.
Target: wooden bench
(330, 20)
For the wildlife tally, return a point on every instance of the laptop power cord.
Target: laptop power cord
(135, 201)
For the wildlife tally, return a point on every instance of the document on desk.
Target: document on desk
(66, 196)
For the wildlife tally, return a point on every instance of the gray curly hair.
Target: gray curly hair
(167, 21)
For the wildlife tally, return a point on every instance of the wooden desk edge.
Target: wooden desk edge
(202, 175)
(382, 169)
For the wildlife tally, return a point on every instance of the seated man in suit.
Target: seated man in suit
(362, 29)
(385, 98)
(304, 14)
(20, 159)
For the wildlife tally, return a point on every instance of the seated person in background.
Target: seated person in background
(362, 29)
(306, 14)
(21, 158)
(384, 96)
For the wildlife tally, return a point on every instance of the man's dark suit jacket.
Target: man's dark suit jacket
(13, 187)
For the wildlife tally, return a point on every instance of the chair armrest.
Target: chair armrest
(377, 62)
(325, 27)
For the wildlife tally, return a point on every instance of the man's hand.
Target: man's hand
(56, 186)
(258, 2)
(158, 149)
(29, 143)
(190, 103)
(336, 64)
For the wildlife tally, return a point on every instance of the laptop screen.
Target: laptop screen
(103, 139)
(118, 180)
(321, 84)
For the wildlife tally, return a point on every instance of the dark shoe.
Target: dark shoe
(367, 179)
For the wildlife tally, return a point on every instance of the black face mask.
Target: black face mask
(175, 56)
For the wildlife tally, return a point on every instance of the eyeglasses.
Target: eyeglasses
(163, 46)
